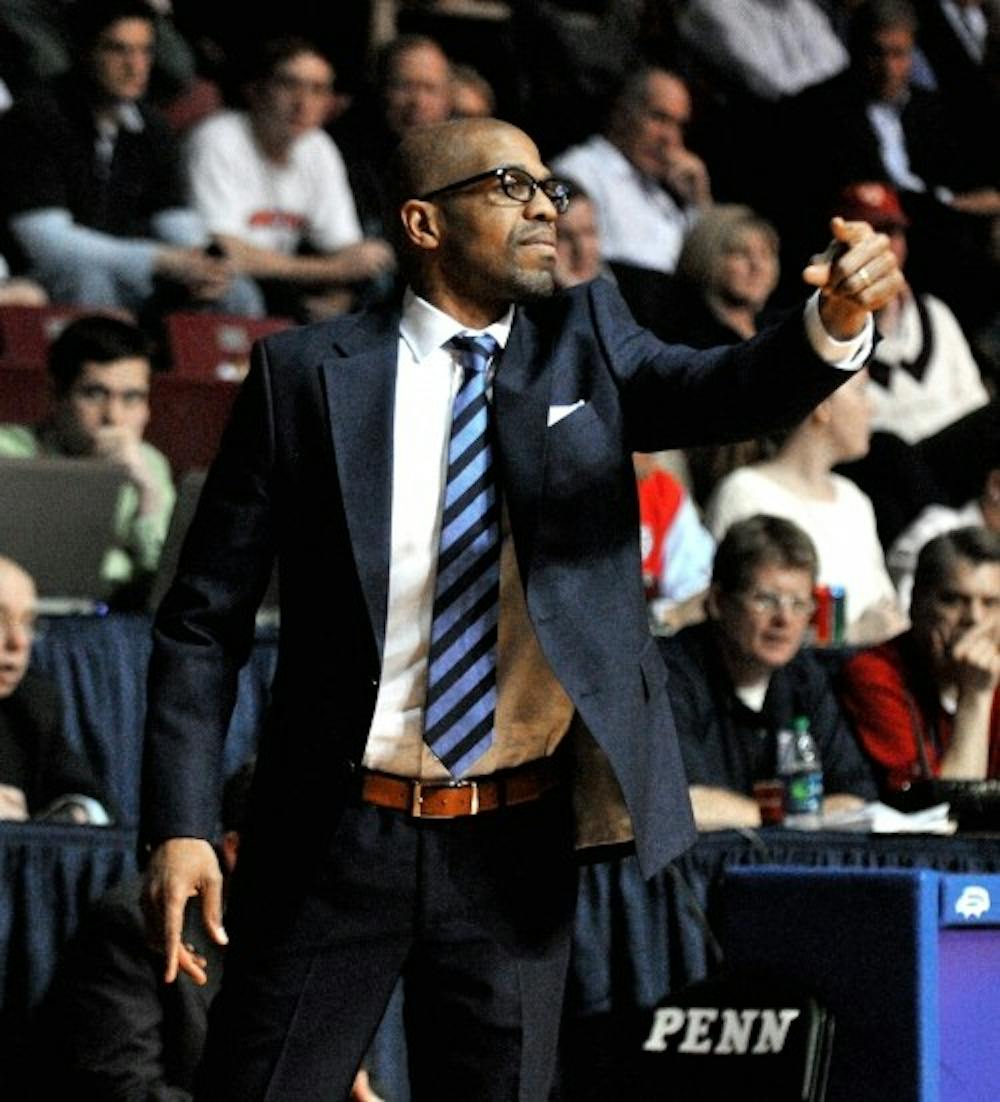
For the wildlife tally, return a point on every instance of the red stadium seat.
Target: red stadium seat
(24, 397)
(27, 331)
(215, 346)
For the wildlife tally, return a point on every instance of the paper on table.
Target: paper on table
(879, 818)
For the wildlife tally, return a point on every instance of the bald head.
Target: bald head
(429, 157)
(17, 618)
(13, 573)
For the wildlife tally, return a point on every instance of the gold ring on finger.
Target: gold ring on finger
(863, 275)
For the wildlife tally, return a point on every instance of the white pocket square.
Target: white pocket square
(557, 413)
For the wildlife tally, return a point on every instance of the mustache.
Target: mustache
(537, 237)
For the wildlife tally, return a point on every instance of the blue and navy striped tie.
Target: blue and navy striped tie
(461, 665)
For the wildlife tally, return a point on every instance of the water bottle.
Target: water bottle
(801, 770)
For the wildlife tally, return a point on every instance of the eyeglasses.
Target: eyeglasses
(516, 184)
(9, 623)
(766, 603)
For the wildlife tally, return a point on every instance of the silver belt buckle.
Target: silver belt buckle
(416, 799)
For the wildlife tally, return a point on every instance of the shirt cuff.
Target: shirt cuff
(846, 355)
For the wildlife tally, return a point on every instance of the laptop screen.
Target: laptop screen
(57, 520)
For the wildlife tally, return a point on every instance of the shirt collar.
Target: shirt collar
(123, 116)
(425, 328)
(614, 161)
(896, 105)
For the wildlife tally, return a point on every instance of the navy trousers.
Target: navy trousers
(475, 914)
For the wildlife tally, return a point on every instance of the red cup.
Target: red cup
(770, 797)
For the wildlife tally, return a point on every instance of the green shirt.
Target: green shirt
(138, 539)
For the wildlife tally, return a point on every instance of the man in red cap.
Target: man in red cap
(925, 374)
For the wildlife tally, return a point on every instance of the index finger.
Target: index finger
(849, 233)
(985, 629)
(845, 236)
(172, 910)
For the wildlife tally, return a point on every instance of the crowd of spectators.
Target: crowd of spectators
(150, 163)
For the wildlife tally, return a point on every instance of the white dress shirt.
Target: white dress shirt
(533, 711)
(428, 376)
(640, 222)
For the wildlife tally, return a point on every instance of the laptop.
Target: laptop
(188, 492)
(57, 520)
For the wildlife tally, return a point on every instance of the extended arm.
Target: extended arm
(677, 397)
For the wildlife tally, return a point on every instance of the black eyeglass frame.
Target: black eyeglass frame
(557, 191)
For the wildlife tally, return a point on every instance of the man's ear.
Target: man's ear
(713, 600)
(421, 223)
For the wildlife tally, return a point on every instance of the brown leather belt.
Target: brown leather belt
(454, 799)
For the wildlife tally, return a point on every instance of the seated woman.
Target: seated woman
(727, 271)
(798, 482)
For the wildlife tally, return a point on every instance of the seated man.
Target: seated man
(100, 370)
(647, 186)
(110, 1027)
(924, 373)
(926, 704)
(91, 184)
(40, 775)
(412, 88)
(269, 180)
(740, 677)
(872, 122)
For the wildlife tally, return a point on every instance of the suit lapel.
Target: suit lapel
(520, 394)
(360, 386)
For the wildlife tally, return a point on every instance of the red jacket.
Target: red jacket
(896, 711)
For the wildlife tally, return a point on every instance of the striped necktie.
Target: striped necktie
(461, 665)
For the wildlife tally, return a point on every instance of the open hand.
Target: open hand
(181, 869)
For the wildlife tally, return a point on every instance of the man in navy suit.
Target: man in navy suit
(456, 875)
